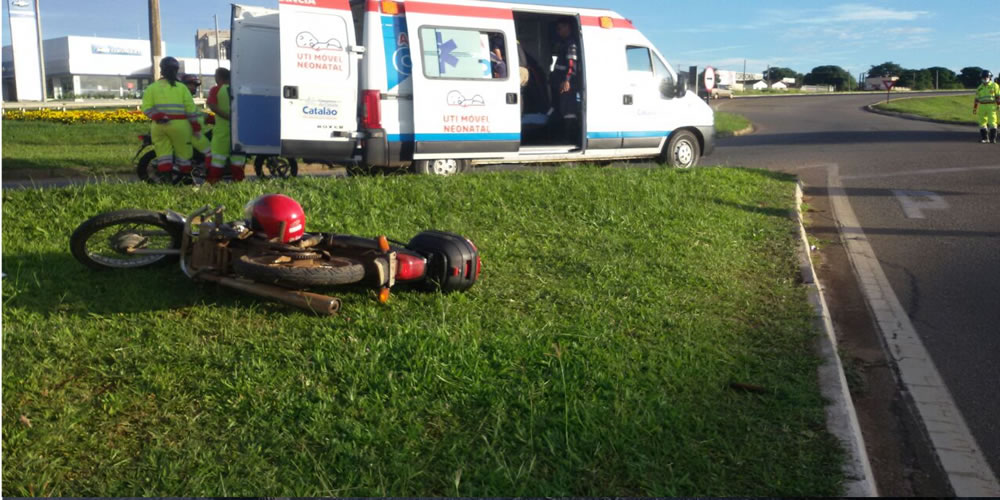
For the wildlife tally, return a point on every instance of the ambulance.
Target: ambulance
(442, 85)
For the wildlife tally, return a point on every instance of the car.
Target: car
(719, 92)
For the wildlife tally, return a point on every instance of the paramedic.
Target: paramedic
(219, 101)
(987, 98)
(565, 79)
(200, 144)
(172, 110)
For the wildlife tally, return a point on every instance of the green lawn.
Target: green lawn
(956, 109)
(728, 123)
(89, 148)
(595, 357)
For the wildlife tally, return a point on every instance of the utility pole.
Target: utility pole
(41, 52)
(744, 74)
(154, 37)
(936, 79)
(218, 43)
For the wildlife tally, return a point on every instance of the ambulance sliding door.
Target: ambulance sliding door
(319, 79)
(465, 105)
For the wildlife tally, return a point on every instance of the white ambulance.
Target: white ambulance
(440, 85)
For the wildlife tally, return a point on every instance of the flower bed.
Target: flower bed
(71, 116)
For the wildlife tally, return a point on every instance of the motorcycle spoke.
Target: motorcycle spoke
(110, 246)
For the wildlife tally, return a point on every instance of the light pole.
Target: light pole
(41, 52)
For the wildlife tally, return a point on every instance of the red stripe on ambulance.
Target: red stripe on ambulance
(458, 10)
(595, 21)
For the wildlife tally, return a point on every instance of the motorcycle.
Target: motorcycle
(233, 255)
(266, 167)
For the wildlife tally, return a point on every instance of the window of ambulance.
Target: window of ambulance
(463, 54)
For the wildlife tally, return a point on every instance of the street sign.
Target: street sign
(709, 78)
(888, 84)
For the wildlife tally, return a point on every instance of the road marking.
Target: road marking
(915, 202)
(956, 448)
(926, 171)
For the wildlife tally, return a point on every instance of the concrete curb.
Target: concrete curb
(906, 116)
(841, 417)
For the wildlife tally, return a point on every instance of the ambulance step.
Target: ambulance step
(546, 149)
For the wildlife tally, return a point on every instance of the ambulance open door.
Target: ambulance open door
(319, 79)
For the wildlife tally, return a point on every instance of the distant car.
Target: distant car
(719, 92)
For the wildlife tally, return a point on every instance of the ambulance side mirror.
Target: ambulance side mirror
(669, 89)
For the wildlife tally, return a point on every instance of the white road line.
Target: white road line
(960, 456)
(926, 171)
(915, 202)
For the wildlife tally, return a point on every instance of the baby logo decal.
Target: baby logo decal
(307, 40)
(455, 98)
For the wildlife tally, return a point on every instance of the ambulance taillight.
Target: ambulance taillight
(372, 101)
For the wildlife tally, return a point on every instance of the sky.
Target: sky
(799, 35)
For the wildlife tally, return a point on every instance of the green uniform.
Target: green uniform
(173, 113)
(222, 137)
(986, 102)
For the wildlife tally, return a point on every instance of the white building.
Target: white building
(878, 82)
(86, 66)
(779, 85)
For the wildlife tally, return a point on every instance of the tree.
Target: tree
(944, 77)
(970, 76)
(830, 75)
(887, 68)
(777, 74)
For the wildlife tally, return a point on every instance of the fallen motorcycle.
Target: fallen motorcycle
(272, 257)
(265, 167)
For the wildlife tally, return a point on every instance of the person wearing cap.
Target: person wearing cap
(201, 143)
(220, 102)
(987, 98)
(175, 119)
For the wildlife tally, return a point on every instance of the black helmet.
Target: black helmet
(986, 75)
(190, 78)
(169, 64)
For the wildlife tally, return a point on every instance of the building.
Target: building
(208, 47)
(878, 82)
(779, 85)
(83, 66)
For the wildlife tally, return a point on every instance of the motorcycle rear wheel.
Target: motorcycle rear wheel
(105, 241)
(300, 273)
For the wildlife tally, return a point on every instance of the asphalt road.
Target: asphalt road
(927, 196)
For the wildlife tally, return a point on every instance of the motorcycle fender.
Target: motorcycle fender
(174, 217)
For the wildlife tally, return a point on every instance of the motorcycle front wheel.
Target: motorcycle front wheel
(295, 273)
(269, 167)
(125, 239)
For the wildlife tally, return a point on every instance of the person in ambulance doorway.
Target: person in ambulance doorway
(200, 144)
(175, 120)
(564, 81)
(219, 101)
(985, 105)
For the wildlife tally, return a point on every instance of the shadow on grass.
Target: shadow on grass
(56, 284)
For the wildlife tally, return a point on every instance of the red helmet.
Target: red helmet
(266, 213)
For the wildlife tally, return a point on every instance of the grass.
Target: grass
(956, 109)
(89, 148)
(595, 357)
(726, 124)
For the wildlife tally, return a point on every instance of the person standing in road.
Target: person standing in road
(220, 102)
(987, 98)
(175, 120)
(565, 79)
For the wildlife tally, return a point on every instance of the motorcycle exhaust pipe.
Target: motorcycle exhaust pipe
(312, 302)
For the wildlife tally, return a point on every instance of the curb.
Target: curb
(841, 417)
(906, 116)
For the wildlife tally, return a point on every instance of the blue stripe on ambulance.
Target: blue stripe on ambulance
(617, 135)
(397, 50)
(452, 137)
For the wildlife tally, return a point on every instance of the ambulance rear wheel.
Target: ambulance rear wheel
(440, 167)
(682, 150)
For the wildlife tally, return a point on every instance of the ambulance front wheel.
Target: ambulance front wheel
(440, 167)
(682, 150)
